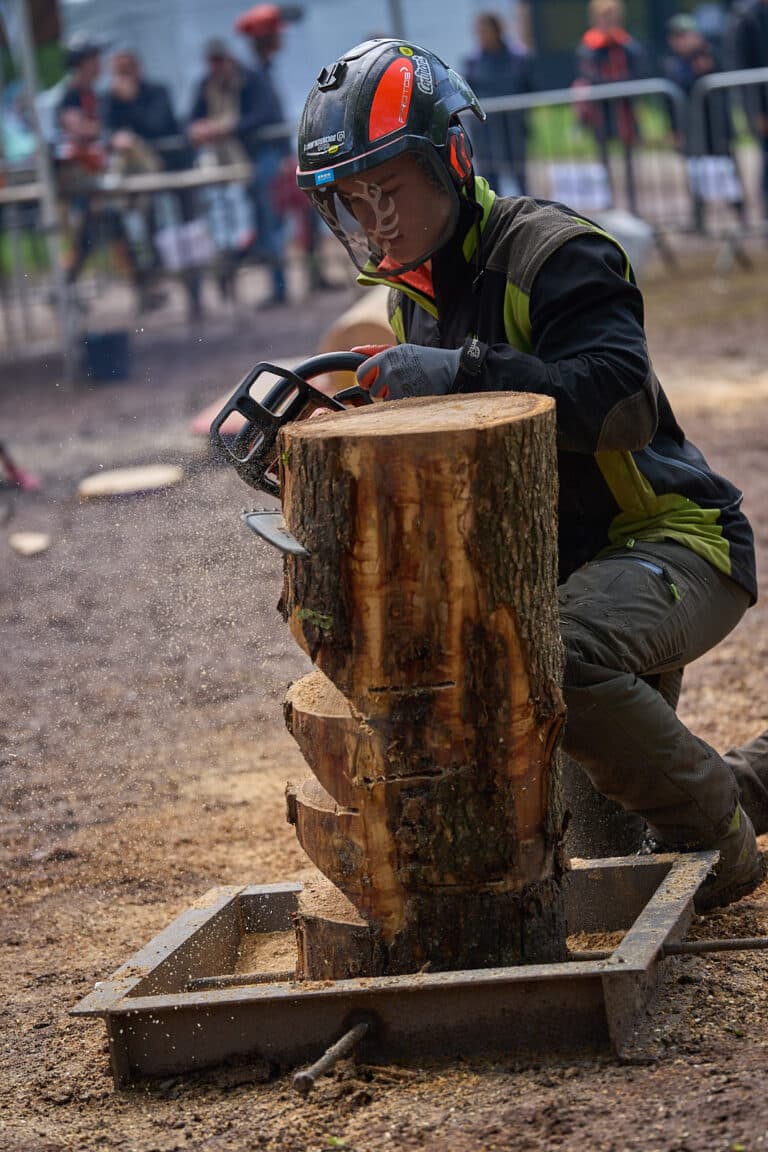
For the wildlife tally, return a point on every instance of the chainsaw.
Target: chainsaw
(253, 450)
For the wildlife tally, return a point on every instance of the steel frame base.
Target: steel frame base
(157, 1028)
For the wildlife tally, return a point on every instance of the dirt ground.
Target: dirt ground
(144, 757)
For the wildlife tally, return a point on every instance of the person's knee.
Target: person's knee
(587, 647)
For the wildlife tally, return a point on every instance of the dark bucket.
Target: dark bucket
(107, 356)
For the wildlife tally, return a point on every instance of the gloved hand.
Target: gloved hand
(408, 370)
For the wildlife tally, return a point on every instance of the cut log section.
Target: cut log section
(339, 747)
(130, 481)
(365, 322)
(428, 604)
(333, 941)
(29, 543)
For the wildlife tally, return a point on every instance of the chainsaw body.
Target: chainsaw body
(253, 451)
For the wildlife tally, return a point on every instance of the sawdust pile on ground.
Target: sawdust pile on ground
(145, 759)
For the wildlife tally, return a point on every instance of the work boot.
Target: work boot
(740, 869)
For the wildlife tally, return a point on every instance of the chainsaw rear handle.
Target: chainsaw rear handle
(253, 450)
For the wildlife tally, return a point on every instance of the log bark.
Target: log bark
(428, 604)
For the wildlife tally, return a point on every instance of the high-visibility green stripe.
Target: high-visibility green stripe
(397, 326)
(646, 516)
(517, 319)
(485, 197)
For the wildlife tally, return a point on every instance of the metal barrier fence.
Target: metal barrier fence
(681, 165)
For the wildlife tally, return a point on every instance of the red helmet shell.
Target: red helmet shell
(261, 21)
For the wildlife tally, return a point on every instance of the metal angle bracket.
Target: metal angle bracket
(163, 1018)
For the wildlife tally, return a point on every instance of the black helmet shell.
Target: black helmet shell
(377, 100)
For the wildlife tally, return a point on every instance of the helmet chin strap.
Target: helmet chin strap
(467, 194)
(477, 282)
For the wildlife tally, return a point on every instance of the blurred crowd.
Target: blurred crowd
(132, 129)
(107, 119)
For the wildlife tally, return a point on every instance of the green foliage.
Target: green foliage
(32, 252)
(557, 134)
(318, 619)
(50, 65)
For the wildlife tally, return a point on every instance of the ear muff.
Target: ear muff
(459, 154)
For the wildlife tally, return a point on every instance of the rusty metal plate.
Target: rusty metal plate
(164, 1018)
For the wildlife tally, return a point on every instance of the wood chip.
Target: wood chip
(129, 481)
(29, 543)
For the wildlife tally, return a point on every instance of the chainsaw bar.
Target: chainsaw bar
(253, 450)
(269, 525)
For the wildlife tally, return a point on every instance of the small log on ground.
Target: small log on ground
(364, 322)
(428, 601)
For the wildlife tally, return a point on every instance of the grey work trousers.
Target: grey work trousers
(630, 621)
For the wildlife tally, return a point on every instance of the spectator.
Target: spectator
(139, 118)
(263, 26)
(691, 57)
(608, 54)
(82, 157)
(78, 113)
(213, 129)
(749, 49)
(144, 136)
(499, 68)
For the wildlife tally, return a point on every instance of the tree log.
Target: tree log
(428, 604)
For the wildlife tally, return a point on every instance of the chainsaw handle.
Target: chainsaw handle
(318, 366)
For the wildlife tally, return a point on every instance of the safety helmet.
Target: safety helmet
(378, 101)
(260, 22)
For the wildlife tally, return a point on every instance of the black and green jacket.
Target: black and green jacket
(558, 312)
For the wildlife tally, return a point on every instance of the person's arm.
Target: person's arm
(74, 123)
(744, 45)
(744, 53)
(586, 66)
(199, 105)
(258, 107)
(636, 60)
(526, 73)
(111, 114)
(588, 351)
(158, 118)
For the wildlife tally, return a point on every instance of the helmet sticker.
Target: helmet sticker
(424, 81)
(391, 100)
(405, 50)
(324, 144)
(324, 177)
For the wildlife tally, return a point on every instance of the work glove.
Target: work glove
(408, 370)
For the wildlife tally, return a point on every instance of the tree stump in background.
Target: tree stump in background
(428, 603)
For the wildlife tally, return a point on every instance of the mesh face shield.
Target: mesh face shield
(391, 215)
